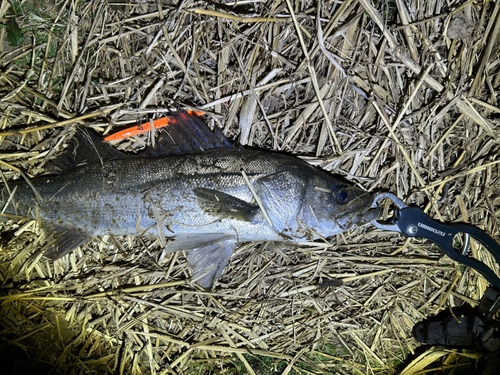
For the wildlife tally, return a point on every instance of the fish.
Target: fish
(194, 191)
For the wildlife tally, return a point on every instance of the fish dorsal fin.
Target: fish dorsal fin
(85, 147)
(184, 134)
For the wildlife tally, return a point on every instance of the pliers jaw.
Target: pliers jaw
(392, 226)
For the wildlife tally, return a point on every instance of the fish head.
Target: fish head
(332, 206)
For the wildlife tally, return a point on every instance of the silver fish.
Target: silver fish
(199, 201)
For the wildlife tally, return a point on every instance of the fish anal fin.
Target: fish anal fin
(61, 240)
(208, 262)
(225, 206)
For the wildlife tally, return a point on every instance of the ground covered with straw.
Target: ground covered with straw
(397, 96)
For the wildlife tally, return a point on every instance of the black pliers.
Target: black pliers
(474, 331)
(412, 222)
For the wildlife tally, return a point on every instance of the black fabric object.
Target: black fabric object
(490, 304)
(466, 332)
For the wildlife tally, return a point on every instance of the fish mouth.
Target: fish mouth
(366, 206)
(360, 213)
(367, 215)
(372, 211)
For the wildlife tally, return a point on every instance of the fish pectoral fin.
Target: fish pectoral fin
(225, 206)
(62, 240)
(282, 194)
(208, 262)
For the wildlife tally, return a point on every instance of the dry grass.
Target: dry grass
(395, 96)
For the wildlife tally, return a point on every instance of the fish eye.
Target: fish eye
(342, 196)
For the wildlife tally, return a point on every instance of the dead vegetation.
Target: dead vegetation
(393, 95)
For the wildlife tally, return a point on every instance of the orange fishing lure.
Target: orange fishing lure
(143, 128)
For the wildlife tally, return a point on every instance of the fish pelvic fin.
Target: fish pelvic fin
(62, 240)
(208, 262)
(190, 241)
(225, 206)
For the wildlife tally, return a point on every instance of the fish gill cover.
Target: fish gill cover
(393, 96)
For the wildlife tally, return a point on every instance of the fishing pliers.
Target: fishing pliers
(473, 331)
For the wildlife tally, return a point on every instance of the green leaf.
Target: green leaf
(14, 34)
(16, 8)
